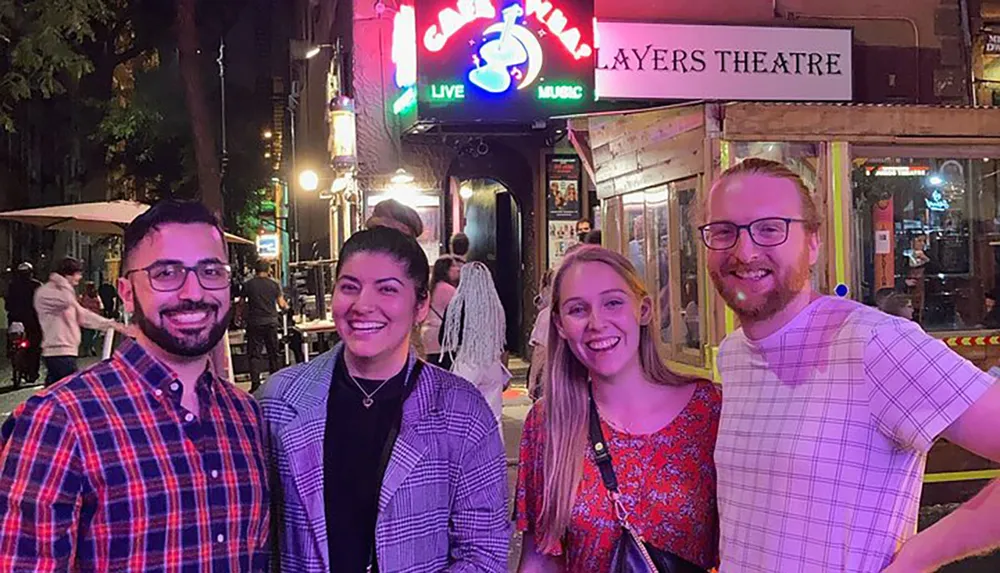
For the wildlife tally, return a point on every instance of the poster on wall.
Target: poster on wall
(562, 236)
(563, 188)
(562, 196)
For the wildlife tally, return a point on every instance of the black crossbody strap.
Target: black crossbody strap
(600, 447)
(390, 441)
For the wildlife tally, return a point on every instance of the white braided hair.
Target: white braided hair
(485, 326)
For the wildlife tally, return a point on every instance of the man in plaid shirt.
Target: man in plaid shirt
(147, 461)
(829, 407)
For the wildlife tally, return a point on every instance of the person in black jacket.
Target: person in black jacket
(20, 305)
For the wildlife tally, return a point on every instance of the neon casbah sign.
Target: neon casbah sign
(496, 60)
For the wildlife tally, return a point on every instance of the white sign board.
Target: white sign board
(268, 245)
(675, 61)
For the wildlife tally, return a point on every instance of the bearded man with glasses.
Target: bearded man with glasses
(829, 406)
(147, 461)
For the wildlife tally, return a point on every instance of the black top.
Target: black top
(262, 298)
(20, 297)
(353, 445)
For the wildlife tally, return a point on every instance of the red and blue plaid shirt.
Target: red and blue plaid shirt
(106, 471)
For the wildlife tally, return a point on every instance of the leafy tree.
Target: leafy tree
(41, 42)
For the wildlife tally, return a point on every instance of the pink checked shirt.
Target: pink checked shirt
(824, 434)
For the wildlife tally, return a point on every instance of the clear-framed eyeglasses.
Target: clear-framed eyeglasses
(168, 277)
(766, 232)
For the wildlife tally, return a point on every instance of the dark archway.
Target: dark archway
(500, 233)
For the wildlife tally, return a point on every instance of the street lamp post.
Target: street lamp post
(222, 90)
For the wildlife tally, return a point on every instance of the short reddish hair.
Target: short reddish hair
(768, 168)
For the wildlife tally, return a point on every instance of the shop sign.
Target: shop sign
(992, 44)
(267, 245)
(503, 60)
(674, 61)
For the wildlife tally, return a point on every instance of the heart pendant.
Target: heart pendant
(367, 402)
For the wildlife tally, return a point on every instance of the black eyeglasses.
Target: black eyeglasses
(168, 277)
(766, 232)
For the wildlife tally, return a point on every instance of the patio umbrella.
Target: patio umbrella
(109, 218)
(101, 218)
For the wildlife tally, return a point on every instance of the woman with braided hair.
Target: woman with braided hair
(474, 333)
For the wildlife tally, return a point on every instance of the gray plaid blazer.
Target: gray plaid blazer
(443, 503)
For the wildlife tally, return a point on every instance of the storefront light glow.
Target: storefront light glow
(935, 180)
(560, 92)
(447, 92)
(404, 41)
(309, 180)
(405, 102)
(451, 20)
(401, 177)
(343, 132)
(465, 193)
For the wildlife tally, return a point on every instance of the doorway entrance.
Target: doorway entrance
(487, 211)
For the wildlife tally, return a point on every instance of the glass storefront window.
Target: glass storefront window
(658, 204)
(689, 241)
(659, 236)
(929, 231)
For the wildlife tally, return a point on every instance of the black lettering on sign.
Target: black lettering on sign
(621, 59)
(741, 59)
(833, 64)
(643, 56)
(798, 61)
(814, 61)
(679, 57)
(659, 57)
(758, 62)
(779, 63)
(698, 57)
(722, 58)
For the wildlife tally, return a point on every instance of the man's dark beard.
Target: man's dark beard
(162, 338)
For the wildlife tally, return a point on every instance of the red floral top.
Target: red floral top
(666, 479)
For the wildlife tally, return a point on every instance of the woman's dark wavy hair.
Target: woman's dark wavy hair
(397, 245)
(441, 267)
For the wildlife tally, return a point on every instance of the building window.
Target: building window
(660, 238)
(928, 230)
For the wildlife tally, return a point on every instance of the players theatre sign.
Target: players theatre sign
(503, 60)
(520, 60)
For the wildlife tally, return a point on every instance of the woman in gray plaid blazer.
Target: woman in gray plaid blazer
(379, 461)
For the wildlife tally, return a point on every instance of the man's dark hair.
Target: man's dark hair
(593, 237)
(882, 295)
(397, 245)
(69, 267)
(262, 266)
(459, 244)
(163, 213)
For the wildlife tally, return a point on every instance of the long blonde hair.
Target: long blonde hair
(566, 396)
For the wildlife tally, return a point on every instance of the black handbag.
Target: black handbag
(632, 554)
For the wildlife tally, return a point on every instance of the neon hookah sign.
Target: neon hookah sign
(451, 20)
(515, 58)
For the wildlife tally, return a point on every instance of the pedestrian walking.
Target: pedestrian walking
(89, 300)
(263, 298)
(62, 317)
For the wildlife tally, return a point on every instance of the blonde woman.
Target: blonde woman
(659, 429)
